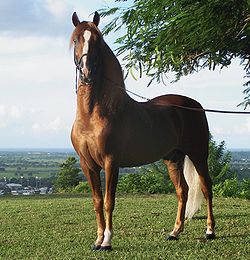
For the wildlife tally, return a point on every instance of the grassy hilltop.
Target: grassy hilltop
(60, 227)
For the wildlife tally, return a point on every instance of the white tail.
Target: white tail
(195, 195)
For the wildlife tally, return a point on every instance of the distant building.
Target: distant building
(15, 189)
(14, 186)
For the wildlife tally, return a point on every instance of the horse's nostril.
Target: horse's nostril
(88, 80)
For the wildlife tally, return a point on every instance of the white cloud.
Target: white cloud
(217, 130)
(11, 45)
(35, 17)
(248, 124)
(57, 8)
(234, 125)
(56, 124)
(35, 127)
(9, 114)
(29, 61)
(242, 126)
(15, 112)
(3, 122)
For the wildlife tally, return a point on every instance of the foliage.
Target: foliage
(227, 188)
(183, 36)
(233, 188)
(148, 179)
(224, 179)
(64, 227)
(245, 189)
(83, 188)
(68, 177)
(219, 162)
(129, 183)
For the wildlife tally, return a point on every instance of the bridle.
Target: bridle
(79, 66)
(79, 63)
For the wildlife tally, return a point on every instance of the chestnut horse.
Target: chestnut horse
(111, 130)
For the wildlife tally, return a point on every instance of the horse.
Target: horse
(112, 130)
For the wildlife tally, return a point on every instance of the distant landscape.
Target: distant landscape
(32, 167)
(39, 167)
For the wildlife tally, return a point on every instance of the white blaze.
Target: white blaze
(85, 49)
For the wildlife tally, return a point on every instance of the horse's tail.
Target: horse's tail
(195, 195)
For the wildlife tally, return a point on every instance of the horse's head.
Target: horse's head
(86, 40)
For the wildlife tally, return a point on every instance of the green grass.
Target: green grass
(64, 228)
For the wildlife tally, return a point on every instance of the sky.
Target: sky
(37, 78)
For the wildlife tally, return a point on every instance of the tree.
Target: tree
(145, 181)
(183, 36)
(68, 177)
(219, 162)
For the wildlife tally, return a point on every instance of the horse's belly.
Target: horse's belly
(147, 151)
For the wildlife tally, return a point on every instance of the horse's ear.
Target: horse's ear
(75, 19)
(96, 19)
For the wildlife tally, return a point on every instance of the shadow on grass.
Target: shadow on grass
(223, 216)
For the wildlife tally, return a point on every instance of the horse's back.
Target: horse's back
(177, 100)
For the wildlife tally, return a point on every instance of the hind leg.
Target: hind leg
(175, 170)
(206, 187)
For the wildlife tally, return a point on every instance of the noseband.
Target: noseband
(79, 67)
(79, 63)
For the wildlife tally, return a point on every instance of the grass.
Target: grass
(64, 228)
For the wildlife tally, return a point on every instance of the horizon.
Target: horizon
(55, 149)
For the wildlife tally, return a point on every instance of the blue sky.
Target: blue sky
(37, 77)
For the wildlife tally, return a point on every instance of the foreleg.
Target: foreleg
(94, 181)
(111, 173)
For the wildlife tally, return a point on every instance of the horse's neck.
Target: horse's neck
(109, 95)
(112, 71)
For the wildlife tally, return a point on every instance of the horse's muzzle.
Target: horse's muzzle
(85, 76)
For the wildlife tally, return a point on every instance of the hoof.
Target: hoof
(210, 236)
(172, 238)
(96, 247)
(106, 248)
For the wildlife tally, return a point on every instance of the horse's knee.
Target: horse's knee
(109, 206)
(98, 204)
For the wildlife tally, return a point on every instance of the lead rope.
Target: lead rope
(196, 109)
(187, 108)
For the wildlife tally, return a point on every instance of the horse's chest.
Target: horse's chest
(90, 141)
